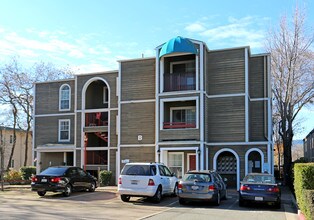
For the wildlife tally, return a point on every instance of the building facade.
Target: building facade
(189, 107)
(308, 144)
(18, 157)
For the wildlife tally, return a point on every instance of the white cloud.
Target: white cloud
(235, 32)
(195, 27)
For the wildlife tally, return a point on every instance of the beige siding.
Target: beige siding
(47, 97)
(226, 119)
(113, 125)
(138, 119)
(258, 119)
(137, 154)
(51, 159)
(257, 78)
(138, 80)
(225, 72)
(46, 129)
(109, 77)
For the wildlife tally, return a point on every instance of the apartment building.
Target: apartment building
(18, 157)
(308, 145)
(189, 107)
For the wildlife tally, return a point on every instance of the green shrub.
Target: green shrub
(309, 198)
(105, 177)
(304, 182)
(27, 172)
(13, 177)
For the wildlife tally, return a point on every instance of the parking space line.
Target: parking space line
(156, 213)
(229, 207)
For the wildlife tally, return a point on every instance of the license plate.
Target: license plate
(194, 187)
(134, 182)
(259, 199)
(44, 180)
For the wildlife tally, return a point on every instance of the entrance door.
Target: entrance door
(191, 162)
(255, 162)
(69, 158)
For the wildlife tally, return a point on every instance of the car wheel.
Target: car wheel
(278, 205)
(217, 201)
(41, 193)
(241, 203)
(67, 191)
(175, 191)
(92, 187)
(125, 198)
(182, 201)
(158, 195)
(226, 195)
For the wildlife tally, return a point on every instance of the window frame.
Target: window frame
(60, 97)
(59, 130)
(182, 163)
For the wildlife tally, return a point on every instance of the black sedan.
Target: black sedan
(259, 188)
(63, 179)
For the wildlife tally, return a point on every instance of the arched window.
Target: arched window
(64, 98)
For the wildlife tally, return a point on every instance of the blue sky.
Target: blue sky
(92, 35)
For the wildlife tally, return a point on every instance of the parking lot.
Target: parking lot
(106, 204)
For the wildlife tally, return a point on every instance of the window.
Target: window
(105, 95)
(12, 164)
(183, 116)
(183, 67)
(64, 130)
(175, 164)
(64, 97)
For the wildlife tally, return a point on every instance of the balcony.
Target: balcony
(96, 119)
(179, 81)
(178, 125)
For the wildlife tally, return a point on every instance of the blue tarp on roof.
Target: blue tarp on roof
(178, 45)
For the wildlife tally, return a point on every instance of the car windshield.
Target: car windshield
(259, 179)
(139, 170)
(199, 177)
(54, 171)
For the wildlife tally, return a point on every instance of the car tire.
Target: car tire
(241, 203)
(175, 191)
(158, 195)
(277, 205)
(182, 201)
(226, 195)
(125, 198)
(92, 187)
(41, 193)
(67, 191)
(217, 201)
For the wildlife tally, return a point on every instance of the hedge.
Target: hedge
(304, 188)
(27, 172)
(105, 177)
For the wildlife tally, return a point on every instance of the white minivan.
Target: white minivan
(152, 180)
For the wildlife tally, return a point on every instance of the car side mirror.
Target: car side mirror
(173, 174)
(225, 180)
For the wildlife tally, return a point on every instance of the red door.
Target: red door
(192, 162)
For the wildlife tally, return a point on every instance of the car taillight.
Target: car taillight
(274, 189)
(151, 182)
(211, 188)
(34, 179)
(245, 188)
(179, 186)
(120, 181)
(55, 179)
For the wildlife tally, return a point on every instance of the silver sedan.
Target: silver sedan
(205, 185)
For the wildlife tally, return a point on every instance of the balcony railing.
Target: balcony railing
(96, 119)
(176, 125)
(179, 82)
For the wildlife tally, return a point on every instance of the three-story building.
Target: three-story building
(189, 107)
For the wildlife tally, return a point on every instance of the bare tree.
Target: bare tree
(292, 63)
(21, 90)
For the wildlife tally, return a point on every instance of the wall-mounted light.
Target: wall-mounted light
(198, 151)
(158, 151)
